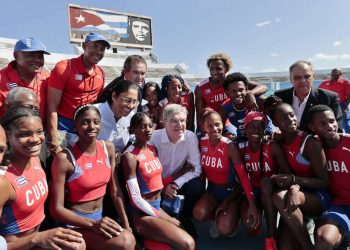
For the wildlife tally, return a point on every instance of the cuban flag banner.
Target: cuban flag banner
(105, 23)
(118, 28)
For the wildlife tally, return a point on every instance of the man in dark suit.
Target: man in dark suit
(302, 96)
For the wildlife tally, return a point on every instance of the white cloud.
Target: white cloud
(344, 56)
(274, 54)
(269, 70)
(259, 25)
(268, 22)
(337, 43)
(325, 57)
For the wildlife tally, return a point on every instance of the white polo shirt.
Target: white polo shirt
(110, 130)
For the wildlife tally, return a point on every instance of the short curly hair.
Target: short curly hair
(223, 57)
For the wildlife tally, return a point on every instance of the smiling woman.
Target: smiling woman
(116, 113)
(80, 175)
(24, 187)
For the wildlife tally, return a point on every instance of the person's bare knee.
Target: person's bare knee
(188, 243)
(226, 225)
(327, 237)
(81, 246)
(125, 241)
(200, 213)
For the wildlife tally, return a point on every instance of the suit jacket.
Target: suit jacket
(317, 96)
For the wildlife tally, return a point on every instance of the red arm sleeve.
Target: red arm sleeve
(167, 180)
(245, 182)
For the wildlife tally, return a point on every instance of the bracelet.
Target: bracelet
(293, 178)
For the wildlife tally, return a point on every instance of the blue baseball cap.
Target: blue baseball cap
(30, 44)
(93, 37)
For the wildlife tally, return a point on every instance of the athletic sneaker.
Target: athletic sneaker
(270, 244)
(213, 231)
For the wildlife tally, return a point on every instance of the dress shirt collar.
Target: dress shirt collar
(165, 138)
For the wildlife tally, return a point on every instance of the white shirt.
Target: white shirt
(299, 107)
(110, 130)
(174, 156)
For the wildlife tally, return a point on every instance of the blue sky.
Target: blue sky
(258, 35)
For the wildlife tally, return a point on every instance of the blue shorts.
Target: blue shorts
(340, 214)
(221, 193)
(324, 197)
(155, 204)
(94, 216)
(65, 124)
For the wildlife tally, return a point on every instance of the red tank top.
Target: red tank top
(252, 162)
(338, 163)
(294, 153)
(215, 164)
(149, 170)
(27, 210)
(91, 174)
(213, 97)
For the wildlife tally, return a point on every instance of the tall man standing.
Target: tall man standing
(26, 71)
(74, 82)
(302, 96)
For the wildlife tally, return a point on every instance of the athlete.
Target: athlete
(151, 93)
(80, 176)
(303, 193)
(262, 159)
(334, 223)
(235, 108)
(174, 91)
(221, 164)
(143, 171)
(24, 187)
(210, 92)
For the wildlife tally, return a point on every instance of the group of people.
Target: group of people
(66, 139)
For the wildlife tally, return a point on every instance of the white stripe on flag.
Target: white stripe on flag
(109, 17)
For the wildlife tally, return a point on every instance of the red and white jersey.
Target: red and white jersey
(27, 210)
(213, 98)
(338, 165)
(215, 163)
(149, 170)
(294, 154)
(252, 162)
(91, 174)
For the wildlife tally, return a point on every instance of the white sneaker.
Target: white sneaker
(213, 231)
